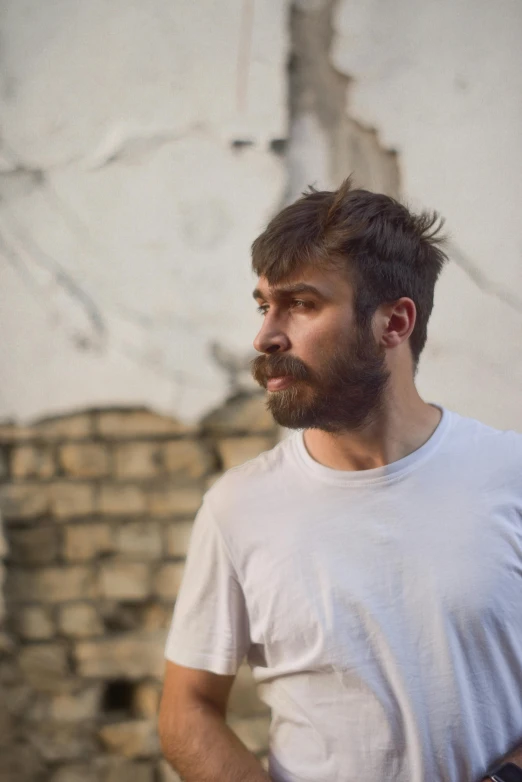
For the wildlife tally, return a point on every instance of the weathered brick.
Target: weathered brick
(122, 616)
(75, 772)
(3, 553)
(137, 460)
(3, 637)
(34, 545)
(132, 656)
(85, 541)
(169, 501)
(70, 427)
(138, 423)
(63, 741)
(124, 580)
(139, 540)
(187, 459)
(211, 480)
(84, 460)
(4, 549)
(156, 617)
(116, 499)
(244, 701)
(166, 773)
(44, 666)
(241, 413)
(146, 699)
(7, 645)
(24, 500)
(34, 623)
(177, 536)
(32, 461)
(13, 433)
(117, 769)
(70, 499)
(50, 584)
(76, 706)
(17, 697)
(79, 620)
(133, 738)
(168, 580)
(19, 760)
(237, 450)
(253, 732)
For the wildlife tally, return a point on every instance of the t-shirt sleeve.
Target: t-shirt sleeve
(210, 629)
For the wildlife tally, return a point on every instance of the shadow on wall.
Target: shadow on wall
(98, 508)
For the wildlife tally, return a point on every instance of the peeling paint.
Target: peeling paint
(326, 143)
(135, 169)
(127, 132)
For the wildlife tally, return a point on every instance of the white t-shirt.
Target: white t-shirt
(380, 610)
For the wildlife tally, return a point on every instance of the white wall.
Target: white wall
(126, 215)
(442, 81)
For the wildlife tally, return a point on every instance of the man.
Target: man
(370, 565)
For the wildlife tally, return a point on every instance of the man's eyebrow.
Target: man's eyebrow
(291, 290)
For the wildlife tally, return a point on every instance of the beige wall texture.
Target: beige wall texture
(145, 145)
(98, 510)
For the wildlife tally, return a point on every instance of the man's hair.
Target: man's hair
(387, 251)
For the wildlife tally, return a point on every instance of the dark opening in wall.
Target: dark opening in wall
(118, 696)
(241, 143)
(122, 617)
(278, 146)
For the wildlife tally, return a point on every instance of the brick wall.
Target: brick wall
(97, 509)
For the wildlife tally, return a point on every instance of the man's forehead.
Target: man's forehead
(323, 285)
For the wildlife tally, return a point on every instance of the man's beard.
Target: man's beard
(344, 395)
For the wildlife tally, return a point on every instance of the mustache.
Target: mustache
(264, 367)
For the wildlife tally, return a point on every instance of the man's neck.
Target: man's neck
(405, 423)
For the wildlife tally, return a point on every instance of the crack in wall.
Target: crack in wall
(325, 144)
(132, 147)
(481, 280)
(320, 114)
(15, 254)
(17, 244)
(120, 145)
(22, 251)
(235, 365)
(320, 121)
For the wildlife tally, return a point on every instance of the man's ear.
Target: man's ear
(396, 321)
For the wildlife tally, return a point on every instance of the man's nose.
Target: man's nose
(271, 337)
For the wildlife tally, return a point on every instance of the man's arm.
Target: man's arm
(515, 756)
(195, 738)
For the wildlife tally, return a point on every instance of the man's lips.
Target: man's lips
(278, 383)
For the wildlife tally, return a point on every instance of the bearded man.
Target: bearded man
(369, 567)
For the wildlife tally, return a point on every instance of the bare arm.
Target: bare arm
(515, 756)
(195, 738)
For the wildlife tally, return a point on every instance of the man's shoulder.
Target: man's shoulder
(479, 438)
(250, 480)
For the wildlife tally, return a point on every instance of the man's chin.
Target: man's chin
(289, 418)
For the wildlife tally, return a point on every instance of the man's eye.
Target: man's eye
(295, 303)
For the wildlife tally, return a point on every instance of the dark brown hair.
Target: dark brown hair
(387, 251)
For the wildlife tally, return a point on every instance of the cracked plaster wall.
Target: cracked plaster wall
(443, 84)
(143, 148)
(127, 207)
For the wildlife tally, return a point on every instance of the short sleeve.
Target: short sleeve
(210, 629)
